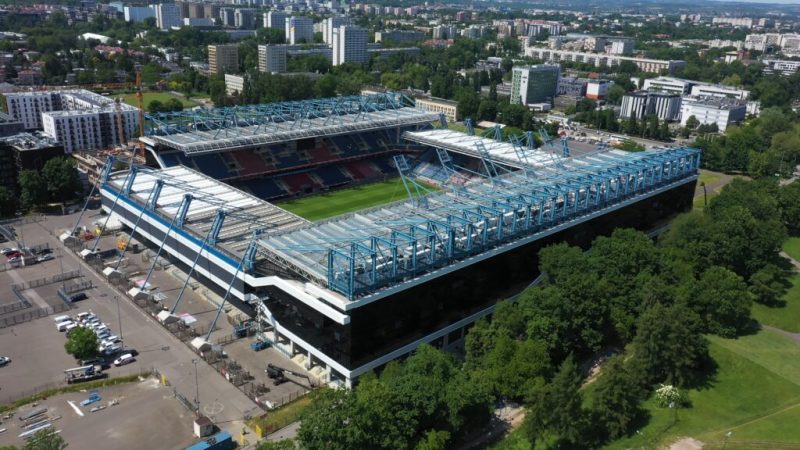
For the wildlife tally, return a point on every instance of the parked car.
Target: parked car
(44, 258)
(13, 254)
(111, 349)
(4, 360)
(95, 362)
(62, 326)
(77, 297)
(127, 358)
(7, 250)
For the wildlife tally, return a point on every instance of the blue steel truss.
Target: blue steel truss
(485, 216)
(294, 114)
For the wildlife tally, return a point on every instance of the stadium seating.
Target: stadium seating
(265, 188)
(331, 176)
(250, 163)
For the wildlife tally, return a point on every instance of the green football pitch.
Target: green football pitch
(334, 203)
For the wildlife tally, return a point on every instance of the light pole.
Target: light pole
(119, 319)
(705, 194)
(196, 386)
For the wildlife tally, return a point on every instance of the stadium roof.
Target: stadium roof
(244, 214)
(198, 131)
(359, 254)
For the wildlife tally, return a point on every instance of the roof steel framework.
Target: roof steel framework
(199, 131)
(359, 254)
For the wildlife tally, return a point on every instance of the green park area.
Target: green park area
(162, 97)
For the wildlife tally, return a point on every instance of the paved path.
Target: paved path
(715, 185)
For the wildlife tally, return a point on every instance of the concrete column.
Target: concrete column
(309, 361)
(445, 340)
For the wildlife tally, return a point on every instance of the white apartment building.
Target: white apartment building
(447, 107)
(234, 84)
(444, 32)
(708, 110)
(350, 45)
(330, 24)
(138, 13)
(272, 58)
(275, 19)
(600, 60)
(168, 15)
(299, 29)
(78, 119)
(783, 67)
(27, 107)
(746, 22)
(720, 91)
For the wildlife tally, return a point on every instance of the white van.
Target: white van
(61, 318)
(127, 358)
(62, 326)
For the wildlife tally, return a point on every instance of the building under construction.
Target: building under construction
(354, 292)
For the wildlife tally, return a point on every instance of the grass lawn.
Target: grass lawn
(699, 203)
(160, 96)
(755, 395)
(282, 416)
(708, 177)
(331, 204)
(786, 317)
(792, 247)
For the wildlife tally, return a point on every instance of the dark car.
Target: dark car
(77, 297)
(96, 362)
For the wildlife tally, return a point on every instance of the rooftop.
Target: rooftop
(224, 129)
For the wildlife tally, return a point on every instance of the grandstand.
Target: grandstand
(348, 294)
(281, 150)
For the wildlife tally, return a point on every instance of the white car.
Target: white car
(44, 258)
(7, 250)
(4, 360)
(127, 358)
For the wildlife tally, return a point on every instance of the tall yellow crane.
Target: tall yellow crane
(140, 102)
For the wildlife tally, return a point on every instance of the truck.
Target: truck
(84, 373)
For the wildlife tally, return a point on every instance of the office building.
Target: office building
(199, 22)
(668, 84)
(299, 30)
(534, 84)
(275, 19)
(223, 59)
(330, 24)
(25, 151)
(597, 89)
(745, 22)
(138, 13)
(572, 87)
(713, 110)
(350, 45)
(272, 58)
(718, 90)
(638, 105)
(168, 15)
(782, 67)
(244, 18)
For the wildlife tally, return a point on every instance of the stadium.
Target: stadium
(355, 291)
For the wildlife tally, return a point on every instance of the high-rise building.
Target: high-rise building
(223, 58)
(330, 24)
(535, 84)
(299, 29)
(168, 15)
(275, 19)
(272, 58)
(227, 16)
(245, 18)
(444, 32)
(399, 36)
(350, 45)
(138, 13)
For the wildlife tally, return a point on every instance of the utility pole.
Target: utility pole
(196, 386)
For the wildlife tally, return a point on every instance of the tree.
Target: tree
(33, 189)
(555, 409)
(669, 345)
(789, 205)
(82, 343)
(616, 398)
(173, 104)
(46, 439)
(62, 179)
(722, 301)
(283, 444)
(692, 123)
(434, 440)
(155, 106)
(332, 422)
(8, 202)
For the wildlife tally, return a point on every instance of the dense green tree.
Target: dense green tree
(669, 345)
(61, 177)
(33, 188)
(333, 422)
(616, 399)
(82, 343)
(434, 440)
(155, 106)
(554, 410)
(767, 285)
(722, 301)
(789, 205)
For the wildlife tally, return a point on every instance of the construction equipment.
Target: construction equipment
(278, 374)
(84, 373)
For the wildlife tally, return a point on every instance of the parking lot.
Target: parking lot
(36, 347)
(145, 415)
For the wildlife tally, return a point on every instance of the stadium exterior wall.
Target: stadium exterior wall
(381, 327)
